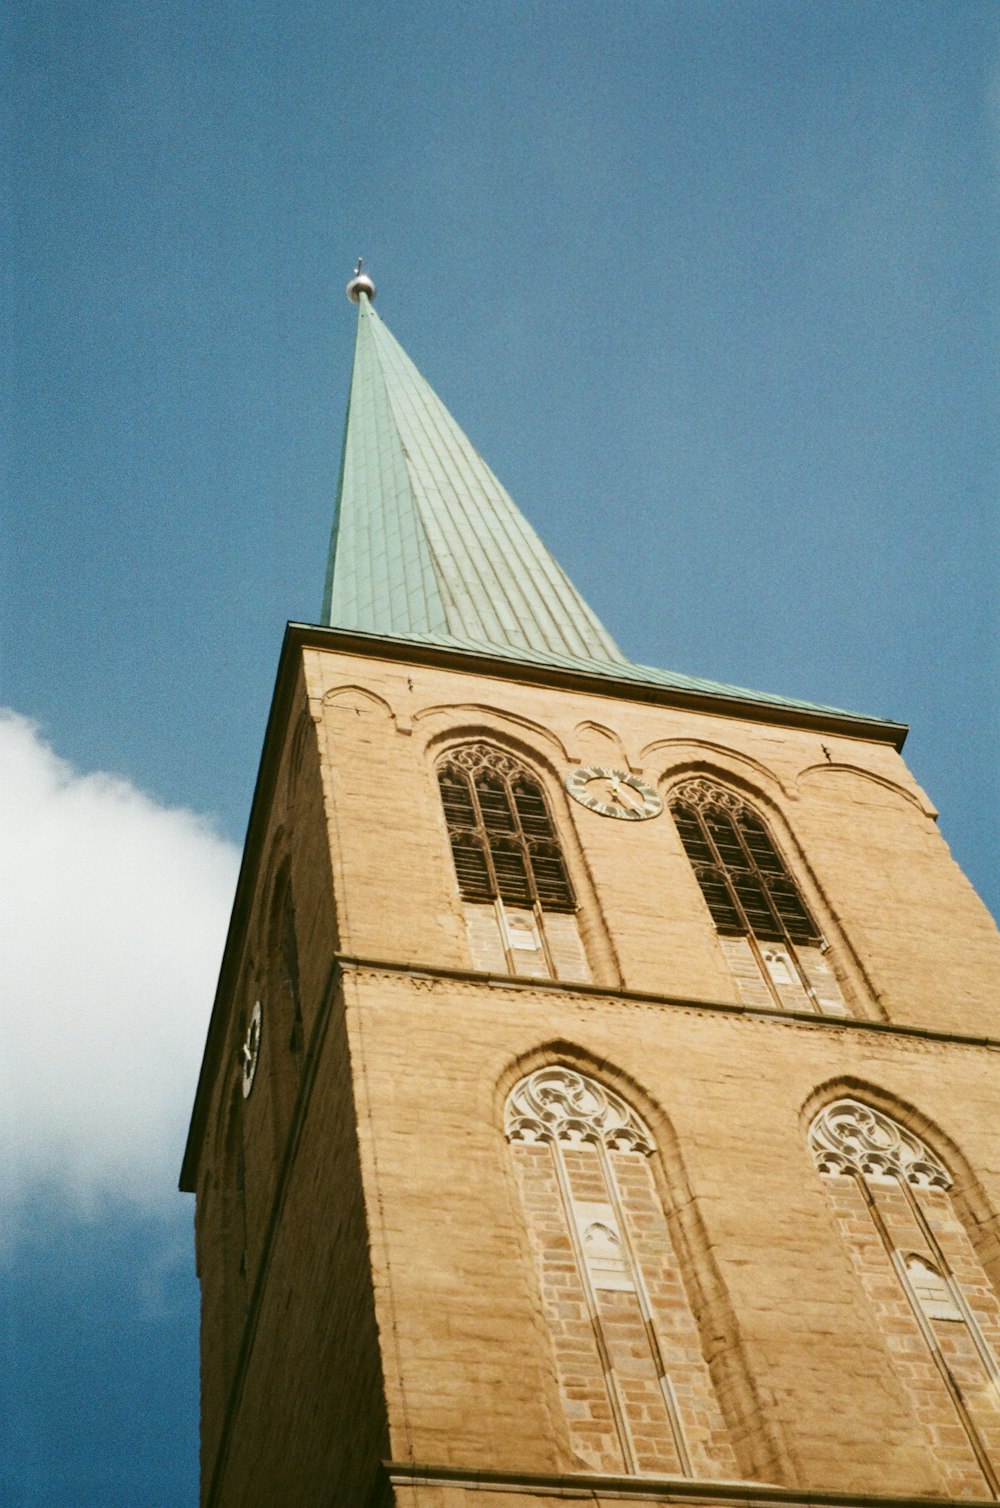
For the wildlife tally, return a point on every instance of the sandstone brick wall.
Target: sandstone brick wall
(908, 937)
(309, 1408)
(806, 1380)
(383, 1285)
(291, 1380)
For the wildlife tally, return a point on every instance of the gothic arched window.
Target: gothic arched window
(767, 931)
(892, 1201)
(636, 1390)
(519, 904)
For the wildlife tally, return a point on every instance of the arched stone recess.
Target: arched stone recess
(774, 923)
(923, 1247)
(832, 769)
(296, 753)
(596, 744)
(510, 929)
(280, 991)
(276, 859)
(269, 974)
(681, 755)
(446, 721)
(645, 1345)
(357, 702)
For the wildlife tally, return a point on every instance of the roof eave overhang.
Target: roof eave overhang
(503, 667)
(300, 636)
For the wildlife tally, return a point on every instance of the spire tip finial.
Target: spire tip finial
(360, 283)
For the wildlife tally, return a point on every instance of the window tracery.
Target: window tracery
(876, 1169)
(519, 902)
(768, 933)
(559, 1104)
(851, 1137)
(637, 1393)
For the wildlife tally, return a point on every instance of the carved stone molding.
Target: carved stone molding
(559, 1104)
(848, 1137)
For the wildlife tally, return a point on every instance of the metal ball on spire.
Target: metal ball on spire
(360, 283)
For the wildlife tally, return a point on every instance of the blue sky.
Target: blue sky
(710, 285)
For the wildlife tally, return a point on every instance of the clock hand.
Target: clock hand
(616, 791)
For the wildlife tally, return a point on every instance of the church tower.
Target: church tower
(599, 1101)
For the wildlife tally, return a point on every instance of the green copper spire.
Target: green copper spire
(428, 546)
(426, 542)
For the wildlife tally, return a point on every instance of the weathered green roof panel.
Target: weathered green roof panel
(380, 576)
(427, 546)
(425, 538)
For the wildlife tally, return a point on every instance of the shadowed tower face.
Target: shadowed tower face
(599, 1097)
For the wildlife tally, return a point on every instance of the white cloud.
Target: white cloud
(113, 912)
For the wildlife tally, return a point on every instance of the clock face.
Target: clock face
(251, 1048)
(614, 793)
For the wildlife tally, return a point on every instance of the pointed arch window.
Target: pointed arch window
(283, 1025)
(283, 955)
(517, 895)
(637, 1392)
(768, 933)
(891, 1196)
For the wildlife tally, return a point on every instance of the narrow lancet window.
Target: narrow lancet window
(636, 1390)
(892, 1200)
(520, 909)
(766, 930)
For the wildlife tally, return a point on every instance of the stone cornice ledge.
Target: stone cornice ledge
(529, 984)
(585, 1487)
(609, 680)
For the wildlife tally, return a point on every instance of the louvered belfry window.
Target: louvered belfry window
(743, 878)
(502, 837)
